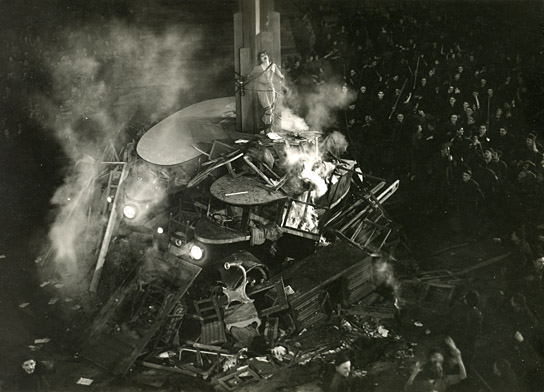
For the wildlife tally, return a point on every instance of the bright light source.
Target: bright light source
(109, 199)
(129, 212)
(160, 230)
(197, 252)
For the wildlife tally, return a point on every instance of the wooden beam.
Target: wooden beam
(107, 235)
(274, 18)
(238, 43)
(484, 263)
(249, 97)
(169, 369)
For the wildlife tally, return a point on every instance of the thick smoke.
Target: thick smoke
(291, 122)
(321, 107)
(97, 87)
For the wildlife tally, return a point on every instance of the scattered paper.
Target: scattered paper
(24, 305)
(418, 324)
(42, 341)
(68, 299)
(2, 256)
(241, 141)
(383, 331)
(289, 290)
(76, 307)
(53, 301)
(59, 285)
(34, 348)
(167, 354)
(38, 260)
(85, 381)
(44, 284)
(273, 136)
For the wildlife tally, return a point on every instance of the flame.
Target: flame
(304, 163)
(302, 216)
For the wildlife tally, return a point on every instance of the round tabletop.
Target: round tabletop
(244, 191)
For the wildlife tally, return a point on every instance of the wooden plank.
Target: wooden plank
(238, 43)
(370, 313)
(275, 52)
(247, 100)
(109, 232)
(484, 263)
(169, 369)
(457, 246)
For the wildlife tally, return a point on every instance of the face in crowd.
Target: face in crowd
(434, 366)
(344, 368)
(29, 366)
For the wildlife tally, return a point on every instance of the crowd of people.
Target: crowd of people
(442, 101)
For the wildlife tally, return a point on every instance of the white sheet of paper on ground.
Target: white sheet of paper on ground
(289, 290)
(44, 284)
(273, 136)
(53, 301)
(42, 341)
(241, 141)
(2, 256)
(24, 305)
(85, 381)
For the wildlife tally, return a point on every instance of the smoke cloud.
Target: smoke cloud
(98, 86)
(385, 275)
(321, 107)
(291, 122)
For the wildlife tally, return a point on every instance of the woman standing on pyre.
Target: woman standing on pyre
(262, 76)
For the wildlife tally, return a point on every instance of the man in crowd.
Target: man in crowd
(430, 377)
(470, 201)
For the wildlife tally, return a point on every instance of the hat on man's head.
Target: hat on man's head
(467, 171)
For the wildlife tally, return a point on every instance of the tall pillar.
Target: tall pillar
(256, 28)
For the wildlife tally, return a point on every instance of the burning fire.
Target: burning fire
(305, 164)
